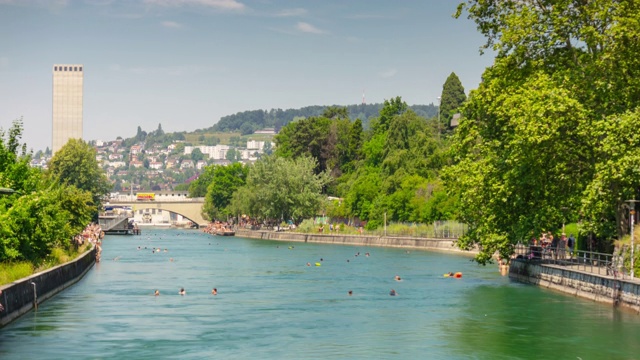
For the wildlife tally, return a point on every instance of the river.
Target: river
(271, 305)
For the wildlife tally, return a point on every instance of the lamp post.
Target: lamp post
(632, 218)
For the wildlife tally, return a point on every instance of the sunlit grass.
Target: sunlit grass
(445, 229)
(12, 271)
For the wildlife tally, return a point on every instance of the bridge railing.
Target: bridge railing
(587, 261)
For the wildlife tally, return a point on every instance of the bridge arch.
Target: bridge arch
(190, 209)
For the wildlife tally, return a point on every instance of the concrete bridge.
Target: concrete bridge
(190, 208)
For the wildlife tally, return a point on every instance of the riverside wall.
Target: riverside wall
(604, 289)
(20, 296)
(357, 240)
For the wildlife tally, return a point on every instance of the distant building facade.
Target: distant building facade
(67, 103)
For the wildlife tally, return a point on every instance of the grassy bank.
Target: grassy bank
(12, 271)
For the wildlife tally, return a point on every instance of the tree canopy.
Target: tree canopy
(537, 131)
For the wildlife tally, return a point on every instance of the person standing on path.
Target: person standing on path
(571, 243)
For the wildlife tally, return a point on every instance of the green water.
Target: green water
(270, 305)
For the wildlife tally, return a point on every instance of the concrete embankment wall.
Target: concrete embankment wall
(598, 288)
(359, 240)
(18, 296)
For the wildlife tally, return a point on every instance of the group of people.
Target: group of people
(217, 227)
(91, 234)
(557, 245)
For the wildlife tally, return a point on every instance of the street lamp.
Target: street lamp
(632, 218)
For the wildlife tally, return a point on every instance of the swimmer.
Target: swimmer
(171, 259)
(157, 293)
(321, 259)
(397, 278)
(308, 264)
(366, 254)
(214, 291)
(165, 250)
(350, 292)
(347, 260)
(392, 293)
(182, 292)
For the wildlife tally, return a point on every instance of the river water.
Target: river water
(271, 305)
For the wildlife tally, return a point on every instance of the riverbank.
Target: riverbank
(20, 296)
(448, 245)
(599, 288)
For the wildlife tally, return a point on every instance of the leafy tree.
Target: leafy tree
(197, 155)
(198, 187)
(75, 164)
(452, 98)
(224, 182)
(233, 155)
(281, 189)
(246, 129)
(527, 147)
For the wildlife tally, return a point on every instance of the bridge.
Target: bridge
(190, 208)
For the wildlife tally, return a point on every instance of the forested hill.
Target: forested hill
(249, 121)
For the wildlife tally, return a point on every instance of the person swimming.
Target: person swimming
(308, 264)
(397, 278)
(392, 293)
(157, 293)
(350, 292)
(214, 291)
(182, 292)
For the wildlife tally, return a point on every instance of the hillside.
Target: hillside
(248, 121)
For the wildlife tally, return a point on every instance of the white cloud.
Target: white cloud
(171, 24)
(292, 12)
(308, 28)
(389, 73)
(217, 4)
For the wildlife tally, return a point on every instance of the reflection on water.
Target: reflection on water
(271, 305)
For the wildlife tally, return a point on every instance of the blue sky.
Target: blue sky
(186, 63)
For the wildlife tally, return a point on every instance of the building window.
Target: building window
(55, 68)
(75, 68)
(65, 68)
(80, 68)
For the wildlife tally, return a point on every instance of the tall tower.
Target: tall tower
(67, 103)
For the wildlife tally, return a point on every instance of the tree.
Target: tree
(452, 98)
(233, 155)
(197, 155)
(526, 147)
(75, 164)
(246, 129)
(280, 189)
(224, 182)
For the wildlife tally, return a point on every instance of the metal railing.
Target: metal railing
(586, 261)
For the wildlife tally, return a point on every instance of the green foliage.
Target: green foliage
(12, 271)
(278, 118)
(281, 189)
(543, 134)
(452, 98)
(197, 155)
(223, 182)
(75, 164)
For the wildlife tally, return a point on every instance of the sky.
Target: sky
(184, 64)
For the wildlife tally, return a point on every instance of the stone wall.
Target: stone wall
(18, 296)
(598, 288)
(361, 240)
